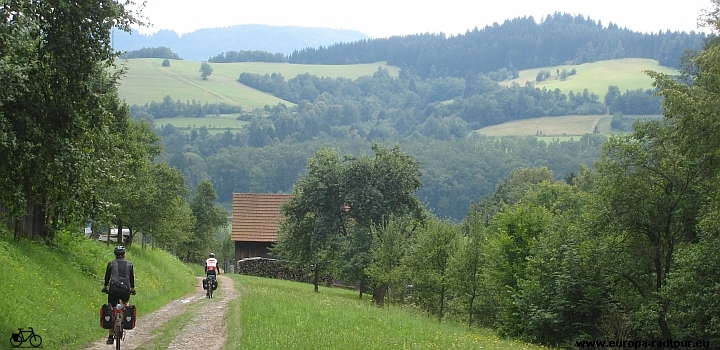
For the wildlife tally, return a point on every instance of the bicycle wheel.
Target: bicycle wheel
(118, 336)
(210, 291)
(35, 340)
(14, 343)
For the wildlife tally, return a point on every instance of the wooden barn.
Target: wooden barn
(255, 219)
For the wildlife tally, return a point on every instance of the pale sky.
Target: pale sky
(384, 18)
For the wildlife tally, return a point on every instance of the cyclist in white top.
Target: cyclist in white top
(211, 265)
(211, 268)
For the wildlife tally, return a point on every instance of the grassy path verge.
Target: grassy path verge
(273, 314)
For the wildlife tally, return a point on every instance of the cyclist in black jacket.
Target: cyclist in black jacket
(119, 281)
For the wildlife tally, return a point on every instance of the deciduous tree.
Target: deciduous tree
(58, 126)
(205, 70)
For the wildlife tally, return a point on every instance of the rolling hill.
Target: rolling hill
(147, 80)
(626, 74)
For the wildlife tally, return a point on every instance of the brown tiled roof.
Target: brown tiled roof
(256, 216)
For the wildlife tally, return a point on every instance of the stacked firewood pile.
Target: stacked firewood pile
(278, 269)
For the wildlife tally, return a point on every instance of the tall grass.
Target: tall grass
(273, 314)
(56, 289)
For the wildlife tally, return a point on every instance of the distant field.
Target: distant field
(561, 128)
(214, 124)
(626, 74)
(147, 80)
(565, 126)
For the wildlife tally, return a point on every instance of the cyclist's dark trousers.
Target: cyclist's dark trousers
(115, 294)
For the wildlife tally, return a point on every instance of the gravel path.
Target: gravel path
(206, 330)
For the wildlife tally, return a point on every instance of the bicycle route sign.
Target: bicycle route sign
(22, 336)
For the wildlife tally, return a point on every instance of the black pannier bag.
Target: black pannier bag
(210, 281)
(129, 317)
(106, 316)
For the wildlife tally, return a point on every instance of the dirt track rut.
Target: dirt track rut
(207, 329)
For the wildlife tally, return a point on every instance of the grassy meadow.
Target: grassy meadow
(214, 124)
(146, 80)
(560, 128)
(626, 74)
(275, 314)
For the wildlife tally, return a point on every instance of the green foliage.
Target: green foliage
(337, 203)
(428, 263)
(542, 75)
(390, 247)
(152, 52)
(68, 276)
(651, 194)
(205, 70)
(169, 108)
(68, 116)
(315, 216)
(515, 231)
(470, 274)
(690, 107)
(635, 102)
(248, 56)
(209, 217)
(694, 285)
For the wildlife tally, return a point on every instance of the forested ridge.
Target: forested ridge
(519, 43)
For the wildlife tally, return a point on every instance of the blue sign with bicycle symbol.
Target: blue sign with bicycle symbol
(22, 336)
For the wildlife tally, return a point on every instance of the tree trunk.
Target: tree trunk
(379, 294)
(119, 234)
(36, 228)
(130, 237)
(18, 229)
(470, 310)
(316, 278)
(659, 282)
(662, 322)
(442, 304)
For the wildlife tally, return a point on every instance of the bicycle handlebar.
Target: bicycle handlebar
(108, 292)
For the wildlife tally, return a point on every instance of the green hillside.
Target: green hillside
(56, 289)
(627, 74)
(147, 80)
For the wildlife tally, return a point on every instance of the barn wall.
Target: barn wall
(252, 249)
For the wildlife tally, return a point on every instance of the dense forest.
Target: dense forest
(518, 43)
(455, 172)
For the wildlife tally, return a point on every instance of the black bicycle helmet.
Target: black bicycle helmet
(119, 250)
(212, 255)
